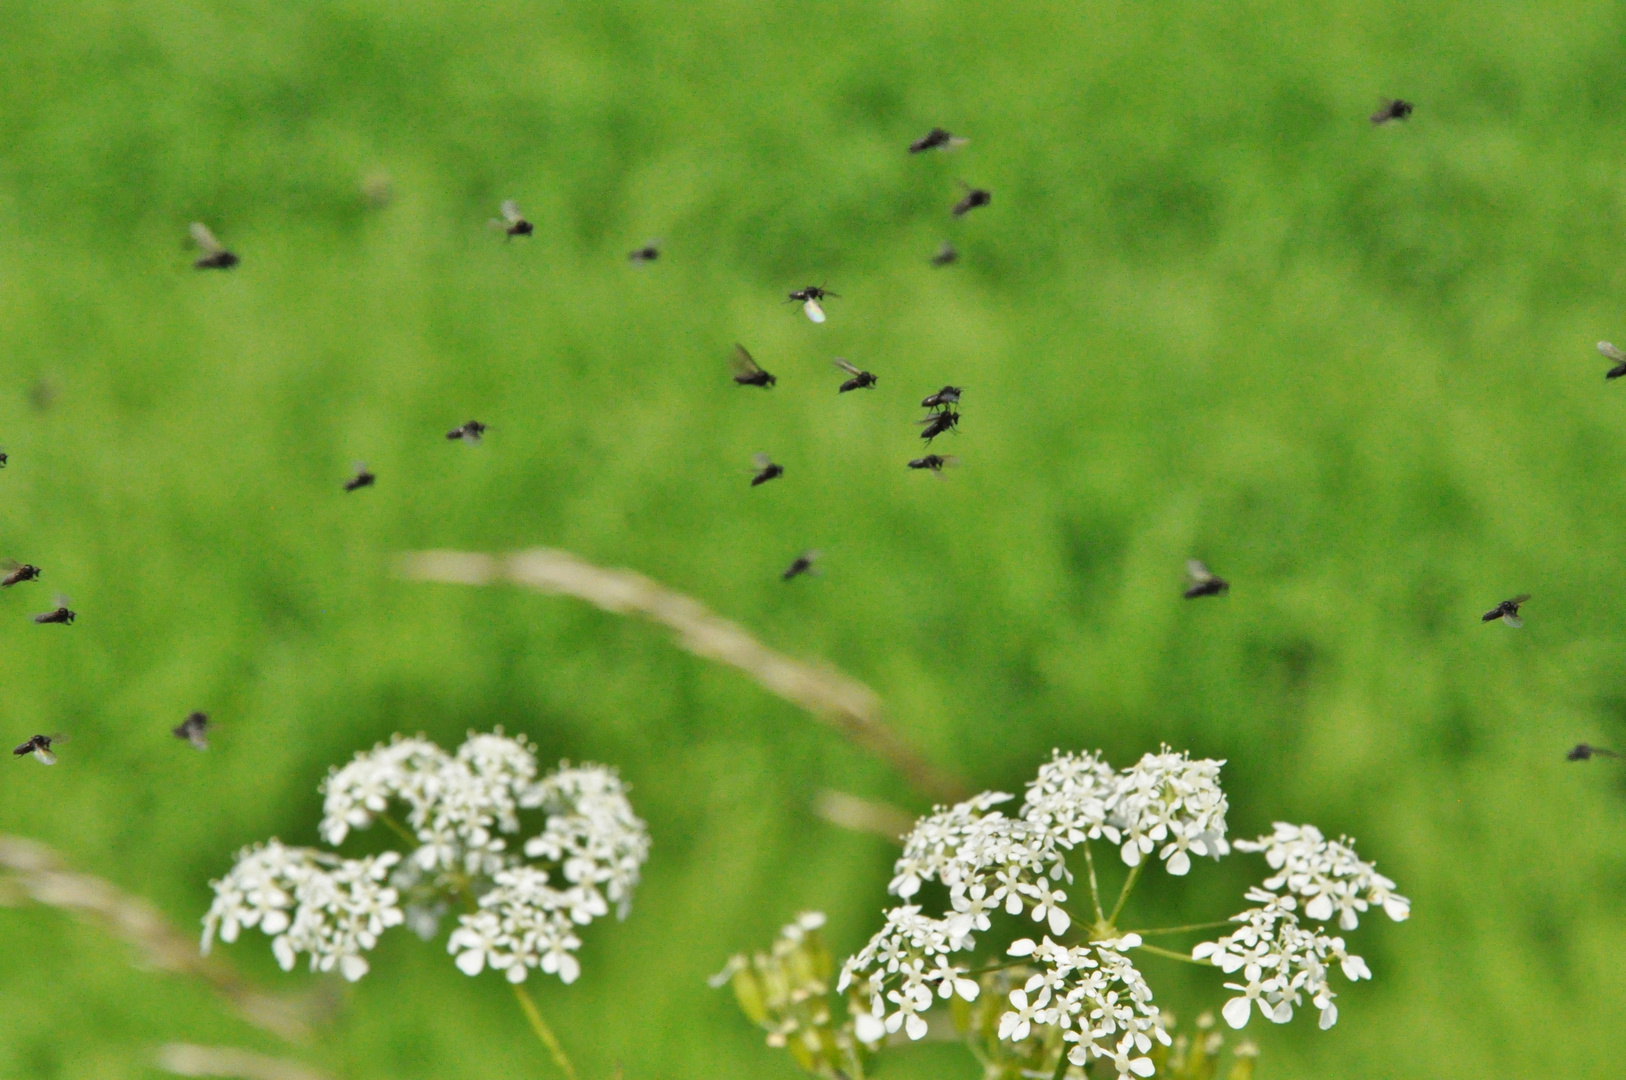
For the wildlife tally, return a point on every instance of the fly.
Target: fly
(59, 614)
(803, 564)
(937, 139)
(747, 372)
(215, 256)
(974, 197)
(937, 423)
(17, 573)
(40, 747)
(194, 729)
(469, 431)
(949, 395)
(861, 380)
(1200, 581)
(935, 462)
(1507, 611)
(646, 254)
(765, 469)
(1582, 752)
(1392, 109)
(1615, 357)
(809, 298)
(512, 222)
(364, 478)
(945, 255)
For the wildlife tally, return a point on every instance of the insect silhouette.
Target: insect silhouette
(194, 729)
(364, 478)
(469, 431)
(860, 380)
(1615, 357)
(937, 423)
(809, 299)
(765, 469)
(935, 462)
(1200, 581)
(747, 372)
(942, 399)
(974, 197)
(40, 747)
(59, 614)
(1582, 752)
(937, 139)
(17, 572)
(803, 564)
(646, 254)
(1507, 611)
(215, 256)
(945, 255)
(512, 222)
(1392, 109)
(4, 457)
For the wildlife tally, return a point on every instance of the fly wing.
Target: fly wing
(815, 313)
(743, 363)
(45, 756)
(845, 366)
(510, 211)
(205, 239)
(1512, 620)
(1521, 598)
(1197, 573)
(761, 461)
(1611, 353)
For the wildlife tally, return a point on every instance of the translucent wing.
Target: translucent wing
(1197, 572)
(9, 565)
(743, 363)
(761, 461)
(44, 756)
(845, 366)
(815, 313)
(949, 462)
(205, 239)
(510, 211)
(1521, 598)
(1611, 353)
(1513, 620)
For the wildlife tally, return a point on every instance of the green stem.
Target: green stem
(998, 967)
(543, 1032)
(1181, 929)
(1172, 955)
(1123, 894)
(1061, 1065)
(400, 830)
(1095, 893)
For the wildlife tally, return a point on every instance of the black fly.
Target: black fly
(40, 747)
(974, 197)
(765, 469)
(59, 614)
(1507, 611)
(1582, 752)
(512, 223)
(746, 371)
(646, 254)
(937, 423)
(945, 255)
(803, 564)
(194, 729)
(860, 379)
(470, 432)
(1392, 109)
(1615, 357)
(215, 256)
(17, 573)
(1200, 581)
(935, 462)
(363, 478)
(809, 299)
(949, 395)
(936, 139)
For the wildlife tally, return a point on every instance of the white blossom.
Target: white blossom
(462, 812)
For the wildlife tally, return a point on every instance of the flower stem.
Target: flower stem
(1095, 892)
(1172, 955)
(1182, 929)
(1123, 894)
(543, 1031)
(398, 829)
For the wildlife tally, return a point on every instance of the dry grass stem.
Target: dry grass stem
(861, 815)
(185, 1059)
(847, 704)
(30, 871)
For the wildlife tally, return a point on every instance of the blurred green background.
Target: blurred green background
(1211, 311)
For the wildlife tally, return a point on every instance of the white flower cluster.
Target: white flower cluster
(1094, 994)
(459, 810)
(989, 861)
(1282, 961)
(308, 901)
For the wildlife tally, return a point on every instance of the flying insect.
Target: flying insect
(40, 747)
(765, 469)
(974, 197)
(215, 256)
(937, 139)
(942, 399)
(1392, 109)
(809, 299)
(945, 255)
(17, 573)
(512, 222)
(937, 423)
(860, 380)
(1507, 611)
(59, 614)
(470, 432)
(1615, 357)
(194, 729)
(747, 372)
(803, 564)
(1200, 581)
(364, 478)
(935, 462)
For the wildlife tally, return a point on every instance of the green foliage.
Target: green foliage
(1210, 312)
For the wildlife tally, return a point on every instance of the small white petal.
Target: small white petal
(1329, 1016)
(868, 1029)
(352, 967)
(1059, 921)
(1237, 1011)
(1179, 865)
(1142, 1067)
(472, 962)
(914, 1026)
(1021, 947)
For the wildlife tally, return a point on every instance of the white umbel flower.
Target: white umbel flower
(462, 811)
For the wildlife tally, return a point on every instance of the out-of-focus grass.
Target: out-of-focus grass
(1210, 311)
